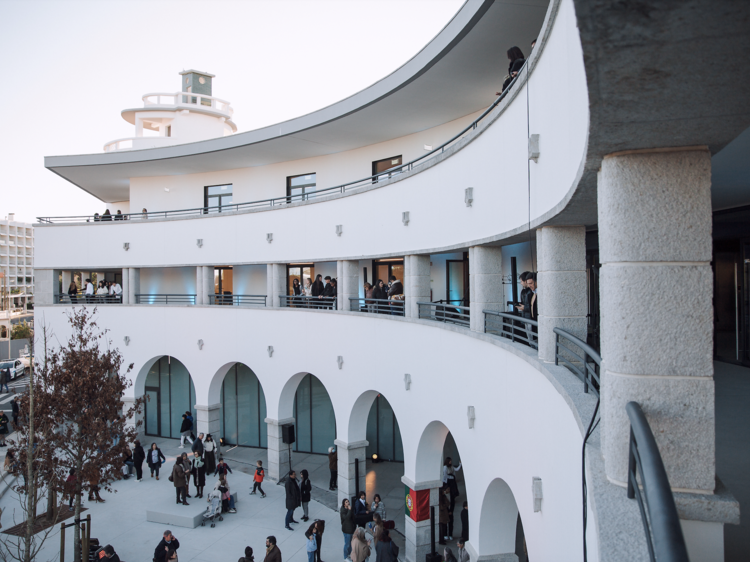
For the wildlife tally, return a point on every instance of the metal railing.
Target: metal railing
(377, 306)
(585, 364)
(301, 301)
(515, 328)
(165, 299)
(661, 522)
(82, 298)
(447, 313)
(238, 300)
(288, 199)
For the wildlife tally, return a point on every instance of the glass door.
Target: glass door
(223, 280)
(152, 411)
(455, 282)
(300, 272)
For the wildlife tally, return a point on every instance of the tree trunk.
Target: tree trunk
(30, 483)
(78, 499)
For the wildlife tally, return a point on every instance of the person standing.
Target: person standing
(4, 373)
(198, 470)
(222, 468)
(463, 554)
(386, 549)
(273, 554)
(362, 513)
(312, 544)
(348, 526)
(329, 293)
(258, 477)
(317, 286)
(73, 293)
(187, 466)
(186, 428)
(464, 523)
(319, 526)
(70, 488)
(198, 445)
(209, 454)
(178, 477)
(168, 542)
(155, 459)
(15, 411)
(360, 546)
(89, 291)
(449, 480)
(292, 499)
(333, 466)
(139, 455)
(396, 296)
(444, 514)
(378, 507)
(305, 489)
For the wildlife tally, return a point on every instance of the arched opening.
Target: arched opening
(243, 408)
(315, 420)
(500, 530)
(383, 432)
(170, 391)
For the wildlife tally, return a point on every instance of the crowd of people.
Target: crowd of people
(105, 292)
(322, 293)
(529, 307)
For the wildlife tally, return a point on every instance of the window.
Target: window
(381, 166)
(298, 187)
(215, 197)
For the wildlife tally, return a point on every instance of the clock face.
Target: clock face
(202, 80)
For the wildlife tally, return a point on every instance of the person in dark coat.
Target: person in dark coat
(139, 455)
(273, 554)
(14, 407)
(209, 454)
(293, 498)
(155, 459)
(198, 445)
(362, 514)
(386, 549)
(329, 292)
(465, 522)
(444, 514)
(222, 468)
(516, 60)
(305, 489)
(333, 466)
(348, 526)
(179, 478)
(380, 293)
(168, 542)
(317, 286)
(186, 428)
(4, 421)
(319, 526)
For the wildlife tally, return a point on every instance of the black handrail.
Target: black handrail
(515, 328)
(450, 314)
(586, 372)
(237, 300)
(377, 306)
(164, 298)
(82, 298)
(303, 301)
(661, 522)
(287, 199)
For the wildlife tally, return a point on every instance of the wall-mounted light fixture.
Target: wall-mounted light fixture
(199, 242)
(405, 218)
(269, 237)
(428, 147)
(200, 344)
(534, 148)
(166, 189)
(340, 361)
(270, 351)
(471, 416)
(126, 246)
(126, 339)
(469, 196)
(339, 229)
(536, 490)
(407, 381)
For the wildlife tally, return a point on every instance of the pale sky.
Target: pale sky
(71, 66)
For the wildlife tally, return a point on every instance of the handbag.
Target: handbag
(170, 478)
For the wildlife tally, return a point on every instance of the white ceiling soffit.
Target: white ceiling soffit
(456, 74)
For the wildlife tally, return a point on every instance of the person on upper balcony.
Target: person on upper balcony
(318, 286)
(516, 62)
(524, 308)
(533, 301)
(106, 216)
(396, 295)
(307, 288)
(329, 292)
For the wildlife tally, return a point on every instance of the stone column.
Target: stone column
(485, 283)
(208, 419)
(199, 292)
(125, 285)
(417, 533)
(348, 284)
(279, 453)
(134, 288)
(561, 280)
(416, 283)
(275, 284)
(656, 309)
(207, 273)
(347, 453)
(45, 286)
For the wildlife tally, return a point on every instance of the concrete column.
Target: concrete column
(656, 309)
(348, 284)
(278, 451)
(208, 420)
(134, 274)
(275, 284)
(199, 292)
(561, 279)
(125, 285)
(485, 283)
(417, 533)
(45, 286)
(417, 283)
(207, 272)
(347, 453)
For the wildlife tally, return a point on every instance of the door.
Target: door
(152, 411)
(454, 283)
(300, 273)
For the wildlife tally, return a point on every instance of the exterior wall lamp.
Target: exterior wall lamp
(339, 229)
(269, 237)
(126, 246)
(200, 344)
(199, 242)
(270, 351)
(407, 381)
(469, 196)
(126, 339)
(340, 361)
(405, 218)
(534, 148)
(471, 415)
(536, 490)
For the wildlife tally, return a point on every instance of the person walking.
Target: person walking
(444, 513)
(168, 543)
(139, 455)
(15, 411)
(198, 470)
(258, 477)
(209, 454)
(273, 554)
(333, 466)
(348, 526)
(4, 375)
(312, 544)
(155, 459)
(94, 489)
(186, 428)
(222, 468)
(360, 546)
(70, 488)
(178, 477)
(386, 549)
(293, 497)
(305, 489)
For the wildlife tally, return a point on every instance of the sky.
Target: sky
(71, 66)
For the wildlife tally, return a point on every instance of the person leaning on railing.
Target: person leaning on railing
(517, 60)
(396, 296)
(369, 303)
(73, 293)
(379, 293)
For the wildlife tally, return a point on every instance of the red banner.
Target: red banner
(417, 504)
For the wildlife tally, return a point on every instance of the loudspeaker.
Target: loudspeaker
(287, 433)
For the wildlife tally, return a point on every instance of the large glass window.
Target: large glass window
(215, 197)
(385, 164)
(243, 406)
(315, 420)
(298, 187)
(384, 269)
(383, 434)
(299, 272)
(172, 393)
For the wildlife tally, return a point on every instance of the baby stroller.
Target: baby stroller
(213, 511)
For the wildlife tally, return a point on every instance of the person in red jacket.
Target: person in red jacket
(258, 479)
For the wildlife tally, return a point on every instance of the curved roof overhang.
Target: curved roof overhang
(456, 74)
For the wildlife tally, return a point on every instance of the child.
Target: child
(258, 479)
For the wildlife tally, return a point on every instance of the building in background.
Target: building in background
(16, 263)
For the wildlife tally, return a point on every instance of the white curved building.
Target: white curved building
(430, 177)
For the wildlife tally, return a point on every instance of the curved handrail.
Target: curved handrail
(286, 200)
(588, 374)
(508, 327)
(661, 522)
